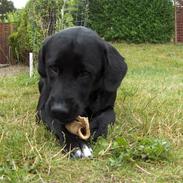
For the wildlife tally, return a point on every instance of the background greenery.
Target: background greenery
(5, 7)
(122, 20)
(35, 22)
(133, 20)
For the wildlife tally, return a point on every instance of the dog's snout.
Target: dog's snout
(64, 109)
(59, 109)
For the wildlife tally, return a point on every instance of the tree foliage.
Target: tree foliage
(39, 19)
(132, 20)
(82, 12)
(5, 7)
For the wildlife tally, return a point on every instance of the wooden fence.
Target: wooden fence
(178, 4)
(5, 52)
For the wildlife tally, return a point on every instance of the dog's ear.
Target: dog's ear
(115, 68)
(41, 63)
(41, 58)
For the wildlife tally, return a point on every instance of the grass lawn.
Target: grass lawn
(149, 127)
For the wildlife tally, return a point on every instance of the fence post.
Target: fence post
(30, 64)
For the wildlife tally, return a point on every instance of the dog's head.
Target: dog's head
(74, 64)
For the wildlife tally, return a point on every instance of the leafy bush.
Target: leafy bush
(132, 20)
(19, 39)
(39, 19)
(6, 6)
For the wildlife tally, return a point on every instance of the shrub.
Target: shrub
(19, 40)
(132, 20)
(39, 19)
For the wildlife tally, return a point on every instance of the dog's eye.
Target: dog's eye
(83, 74)
(54, 69)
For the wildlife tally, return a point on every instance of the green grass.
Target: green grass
(145, 145)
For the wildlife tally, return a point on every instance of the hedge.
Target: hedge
(132, 20)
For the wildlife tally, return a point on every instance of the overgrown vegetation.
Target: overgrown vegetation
(35, 22)
(128, 20)
(145, 144)
(133, 20)
(6, 6)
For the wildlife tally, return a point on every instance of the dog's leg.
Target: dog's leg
(44, 93)
(99, 124)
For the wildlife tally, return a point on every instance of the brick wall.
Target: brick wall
(179, 23)
(5, 31)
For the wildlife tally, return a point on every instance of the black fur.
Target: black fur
(79, 75)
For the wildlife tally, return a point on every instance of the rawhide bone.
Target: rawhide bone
(79, 127)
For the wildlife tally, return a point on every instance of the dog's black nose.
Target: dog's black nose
(59, 110)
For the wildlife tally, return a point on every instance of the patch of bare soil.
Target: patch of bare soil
(12, 70)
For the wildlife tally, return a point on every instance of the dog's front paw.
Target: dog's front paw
(84, 151)
(78, 148)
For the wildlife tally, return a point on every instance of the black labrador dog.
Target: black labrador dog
(79, 75)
